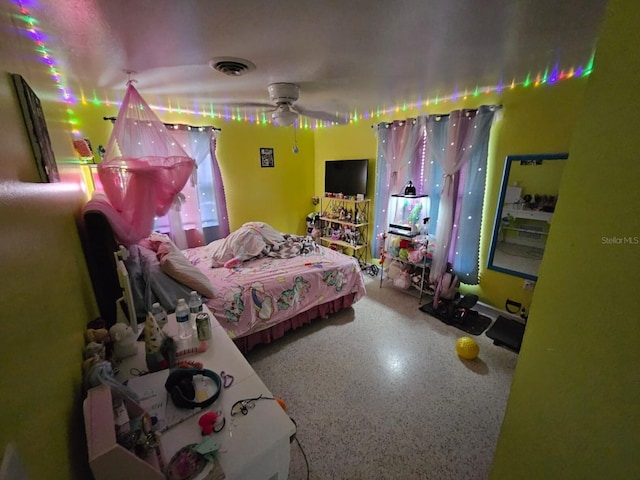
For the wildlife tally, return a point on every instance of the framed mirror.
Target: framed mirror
(526, 204)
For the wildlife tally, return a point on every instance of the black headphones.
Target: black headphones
(179, 384)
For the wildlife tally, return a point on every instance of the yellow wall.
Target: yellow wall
(45, 303)
(573, 411)
(538, 179)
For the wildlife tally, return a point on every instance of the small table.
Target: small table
(253, 446)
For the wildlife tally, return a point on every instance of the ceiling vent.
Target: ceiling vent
(231, 66)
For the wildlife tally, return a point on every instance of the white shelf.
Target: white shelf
(529, 214)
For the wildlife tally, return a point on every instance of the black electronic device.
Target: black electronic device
(179, 384)
(348, 177)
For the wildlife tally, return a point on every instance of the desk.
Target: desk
(526, 227)
(252, 447)
(528, 214)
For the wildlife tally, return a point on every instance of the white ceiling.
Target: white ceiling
(346, 55)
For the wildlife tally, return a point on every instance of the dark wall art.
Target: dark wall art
(37, 130)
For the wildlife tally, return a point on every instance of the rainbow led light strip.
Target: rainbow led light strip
(261, 118)
(32, 31)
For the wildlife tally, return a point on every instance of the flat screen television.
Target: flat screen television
(348, 177)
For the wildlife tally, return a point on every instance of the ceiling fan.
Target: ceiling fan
(285, 112)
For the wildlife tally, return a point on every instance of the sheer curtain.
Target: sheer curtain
(458, 143)
(446, 157)
(398, 147)
(199, 214)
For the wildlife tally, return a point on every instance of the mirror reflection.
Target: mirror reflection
(526, 205)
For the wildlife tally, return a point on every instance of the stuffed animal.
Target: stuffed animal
(415, 256)
(124, 341)
(96, 323)
(97, 335)
(94, 349)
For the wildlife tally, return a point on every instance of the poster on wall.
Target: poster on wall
(266, 157)
(36, 130)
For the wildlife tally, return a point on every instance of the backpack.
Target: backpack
(446, 287)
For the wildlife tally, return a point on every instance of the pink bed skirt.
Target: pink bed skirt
(268, 335)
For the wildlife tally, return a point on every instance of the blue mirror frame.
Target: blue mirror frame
(533, 160)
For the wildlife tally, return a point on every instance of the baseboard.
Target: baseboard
(493, 312)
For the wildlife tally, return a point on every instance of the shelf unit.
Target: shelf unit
(529, 227)
(345, 224)
(419, 271)
(402, 263)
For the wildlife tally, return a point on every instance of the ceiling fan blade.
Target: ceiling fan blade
(270, 106)
(324, 116)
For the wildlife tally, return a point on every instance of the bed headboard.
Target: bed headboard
(99, 247)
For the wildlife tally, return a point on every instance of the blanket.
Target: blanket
(256, 240)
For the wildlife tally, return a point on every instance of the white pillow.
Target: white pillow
(242, 244)
(178, 267)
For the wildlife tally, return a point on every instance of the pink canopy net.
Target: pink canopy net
(143, 170)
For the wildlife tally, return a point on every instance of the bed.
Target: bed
(256, 293)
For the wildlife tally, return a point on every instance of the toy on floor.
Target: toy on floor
(467, 348)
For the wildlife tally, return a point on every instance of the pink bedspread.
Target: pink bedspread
(261, 293)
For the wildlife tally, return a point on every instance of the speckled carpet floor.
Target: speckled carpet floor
(378, 392)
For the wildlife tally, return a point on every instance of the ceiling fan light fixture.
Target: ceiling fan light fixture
(232, 66)
(284, 117)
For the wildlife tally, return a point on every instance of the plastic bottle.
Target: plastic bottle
(159, 314)
(195, 307)
(195, 303)
(182, 317)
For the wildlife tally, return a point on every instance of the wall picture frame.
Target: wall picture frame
(266, 157)
(37, 131)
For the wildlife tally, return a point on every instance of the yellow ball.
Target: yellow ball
(467, 348)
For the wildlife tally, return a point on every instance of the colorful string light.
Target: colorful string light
(259, 117)
(34, 33)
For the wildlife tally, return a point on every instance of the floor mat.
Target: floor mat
(473, 323)
(507, 333)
